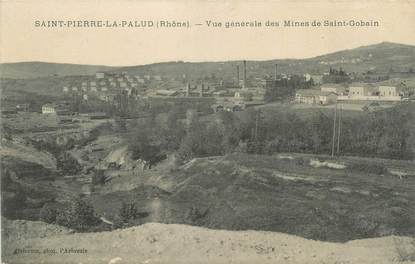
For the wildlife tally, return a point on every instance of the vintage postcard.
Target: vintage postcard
(264, 131)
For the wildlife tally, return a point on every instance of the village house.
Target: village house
(327, 98)
(334, 88)
(100, 75)
(388, 91)
(48, 109)
(311, 96)
(360, 91)
(166, 93)
(367, 92)
(59, 109)
(306, 96)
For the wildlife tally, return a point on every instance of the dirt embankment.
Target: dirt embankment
(21, 151)
(288, 195)
(18, 230)
(160, 243)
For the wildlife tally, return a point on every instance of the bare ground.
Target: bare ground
(161, 243)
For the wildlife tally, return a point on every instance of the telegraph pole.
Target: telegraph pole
(334, 131)
(339, 127)
(256, 126)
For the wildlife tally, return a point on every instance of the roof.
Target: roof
(166, 92)
(359, 84)
(313, 92)
(389, 86)
(332, 85)
(96, 114)
(49, 105)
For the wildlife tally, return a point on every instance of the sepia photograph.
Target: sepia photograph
(270, 131)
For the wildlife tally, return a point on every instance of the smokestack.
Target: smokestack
(188, 90)
(202, 88)
(237, 75)
(244, 86)
(276, 71)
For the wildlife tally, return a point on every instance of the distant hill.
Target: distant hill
(25, 70)
(381, 58)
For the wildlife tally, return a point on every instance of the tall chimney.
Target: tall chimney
(237, 75)
(276, 71)
(202, 88)
(244, 85)
(188, 90)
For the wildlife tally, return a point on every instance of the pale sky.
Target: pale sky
(22, 41)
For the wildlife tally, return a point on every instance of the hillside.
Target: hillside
(380, 57)
(160, 243)
(26, 70)
(294, 194)
(388, 49)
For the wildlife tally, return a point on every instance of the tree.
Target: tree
(68, 164)
(202, 139)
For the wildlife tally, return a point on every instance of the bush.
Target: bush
(68, 164)
(128, 212)
(78, 216)
(12, 206)
(48, 213)
(98, 178)
(366, 226)
(368, 168)
(194, 214)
